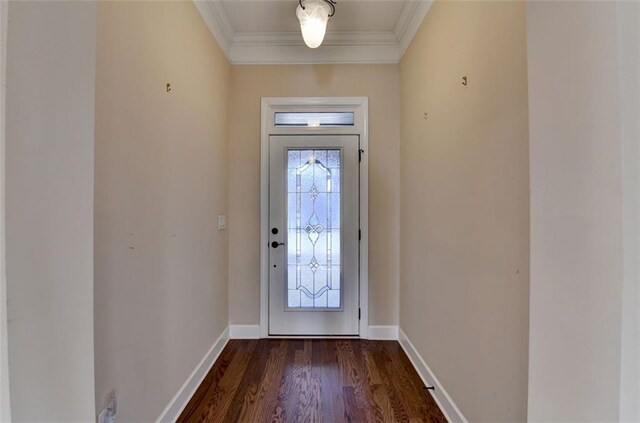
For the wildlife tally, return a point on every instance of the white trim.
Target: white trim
(411, 24)
(181, 399)
(244, 331)
(217, 22)
(364, 222)
(440, 395)
(264, 219)
(628, 25)
(383, 333)
(332, 38)
(402, 23)
(338, 47)
(360, 107)
(299, 54)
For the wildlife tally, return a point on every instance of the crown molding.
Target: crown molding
(338, 47)
(332, 38)
(301, 54)
(409, 22)
(217, 21)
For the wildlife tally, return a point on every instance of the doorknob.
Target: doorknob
(276, 244)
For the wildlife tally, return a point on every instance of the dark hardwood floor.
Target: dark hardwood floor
(285, 380)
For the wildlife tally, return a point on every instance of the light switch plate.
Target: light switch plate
(222, 222)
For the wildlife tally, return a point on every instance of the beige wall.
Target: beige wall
(49, 216)
(249, 84)
(584, 137)
(161, 180)
(465, 204)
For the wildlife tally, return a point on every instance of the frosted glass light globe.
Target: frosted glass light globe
(313, 21)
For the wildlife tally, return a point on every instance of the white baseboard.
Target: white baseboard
(172, 411)
(389, 333)
(446, 404)
(253, 332)
(244, 331)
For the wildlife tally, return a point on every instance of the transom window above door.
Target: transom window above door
(313, 119)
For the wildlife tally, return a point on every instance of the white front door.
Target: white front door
(313, 234)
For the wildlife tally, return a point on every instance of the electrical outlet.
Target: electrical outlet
(108, 413)
(222, 222)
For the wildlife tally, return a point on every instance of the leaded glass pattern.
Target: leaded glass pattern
(313, 222)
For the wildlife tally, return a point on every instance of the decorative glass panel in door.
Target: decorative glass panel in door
(313, 222)
(314, 248)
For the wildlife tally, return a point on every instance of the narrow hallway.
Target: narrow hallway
(319, 210)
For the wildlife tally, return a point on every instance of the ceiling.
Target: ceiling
(267, 31)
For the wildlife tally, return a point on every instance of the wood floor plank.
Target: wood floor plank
(210, 382)
(332, 381)
(250, 380)
(308, 388)
(403, 385)
(353, 412)
(285, 401)
(352, 371)
(407, 382)
(224, 377)
(219, 404)
(343, 380)
(325, 398)
(259, 407)
(399, 411)
(381, 408)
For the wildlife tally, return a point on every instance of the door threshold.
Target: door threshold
(314, 337)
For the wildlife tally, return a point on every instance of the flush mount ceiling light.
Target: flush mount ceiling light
(313, 16)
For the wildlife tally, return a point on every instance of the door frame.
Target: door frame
(360, 108)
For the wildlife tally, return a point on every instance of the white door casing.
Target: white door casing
(359, 107)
